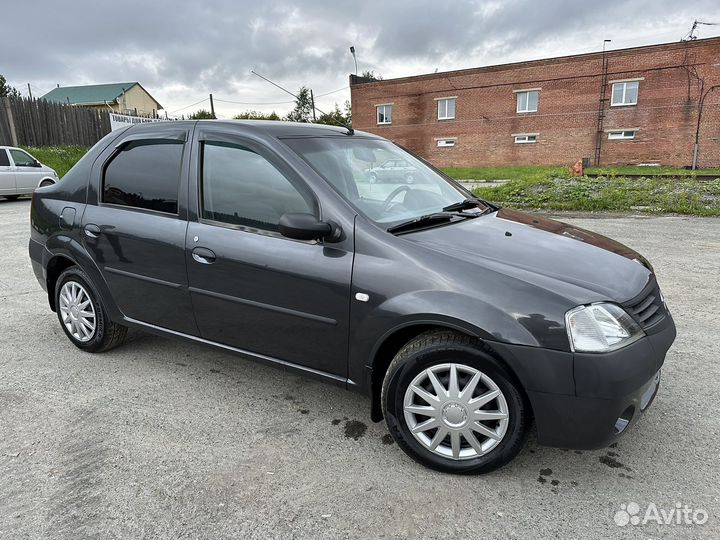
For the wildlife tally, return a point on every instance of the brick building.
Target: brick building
(627, 106)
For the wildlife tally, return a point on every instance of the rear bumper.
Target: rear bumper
(612, 391)
(36, 251)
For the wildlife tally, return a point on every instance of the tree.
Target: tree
(337, 117)
(303, 107)
(202, 114)
(370, 74)
(6, 90)
(256, 115)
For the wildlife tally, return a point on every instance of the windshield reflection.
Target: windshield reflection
(381, 180)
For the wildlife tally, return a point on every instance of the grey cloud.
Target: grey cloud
(212, 46)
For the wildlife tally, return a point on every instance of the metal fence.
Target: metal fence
(26, 122)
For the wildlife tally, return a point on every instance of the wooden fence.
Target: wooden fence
(26, 122)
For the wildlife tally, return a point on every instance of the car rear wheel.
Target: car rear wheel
(46, 183)
(452, 406)
(81, 313)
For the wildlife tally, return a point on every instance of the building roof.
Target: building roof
(92, 94)
(356, 81)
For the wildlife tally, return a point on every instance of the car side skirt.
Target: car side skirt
(263, 359)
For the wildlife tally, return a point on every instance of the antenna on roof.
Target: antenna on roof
(350, 130)
(691, 36)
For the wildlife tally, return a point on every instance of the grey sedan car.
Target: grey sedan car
(462, 321)
(21, 173)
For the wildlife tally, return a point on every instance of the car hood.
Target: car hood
(544, 252)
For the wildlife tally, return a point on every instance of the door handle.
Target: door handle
(203, 255)
(92, 230)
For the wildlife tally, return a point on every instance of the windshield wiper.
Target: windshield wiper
(466, 204)
(427, 220)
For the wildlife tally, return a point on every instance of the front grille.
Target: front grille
(647, 308)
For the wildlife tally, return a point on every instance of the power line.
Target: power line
(188, 106)
(277, 102)
(254, 103)
(333, 91)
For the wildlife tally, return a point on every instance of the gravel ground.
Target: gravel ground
(161, 439)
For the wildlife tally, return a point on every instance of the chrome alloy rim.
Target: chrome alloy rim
(77, 311)
(456, 411)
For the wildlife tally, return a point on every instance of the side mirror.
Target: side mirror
(301, 226)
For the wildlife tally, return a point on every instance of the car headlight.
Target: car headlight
(600, 327)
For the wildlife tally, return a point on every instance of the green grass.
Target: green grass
(552, 188)
(666, 171)
(60, 158)
(549, 188)
(480, 174)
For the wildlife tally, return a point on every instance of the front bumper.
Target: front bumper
(612, 390)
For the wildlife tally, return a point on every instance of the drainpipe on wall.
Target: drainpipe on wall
(701, 104)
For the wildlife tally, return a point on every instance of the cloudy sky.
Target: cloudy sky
(181, 51)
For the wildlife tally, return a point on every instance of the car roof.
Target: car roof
(273, 128)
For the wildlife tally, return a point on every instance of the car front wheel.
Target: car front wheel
(452, 406)
(82, 315)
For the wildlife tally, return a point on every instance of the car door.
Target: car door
(252, 288)
(28, 172)
(7, 174)
(135, 227)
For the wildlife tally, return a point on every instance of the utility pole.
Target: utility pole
(212, 107)
(312, 104)
(29, 92)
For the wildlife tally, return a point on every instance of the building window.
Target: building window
(384, 114)
(446, 143)
(625, 93)
(446, 108)
(527, 101)
(624, 134)
(525, 138)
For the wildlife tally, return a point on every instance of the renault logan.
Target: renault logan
(464, 322)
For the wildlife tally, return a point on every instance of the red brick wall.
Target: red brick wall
(566, 121)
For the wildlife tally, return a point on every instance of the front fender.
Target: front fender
(372, 325)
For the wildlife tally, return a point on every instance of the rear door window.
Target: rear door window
(145, 174)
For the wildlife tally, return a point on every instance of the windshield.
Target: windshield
(381, 180)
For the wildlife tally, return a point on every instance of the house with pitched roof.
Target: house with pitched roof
(123, 98)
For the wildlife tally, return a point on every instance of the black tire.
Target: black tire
(440, 347)
(46, 183)
(107, 334)
(12, 197)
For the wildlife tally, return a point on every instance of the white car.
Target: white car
(21, 174)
